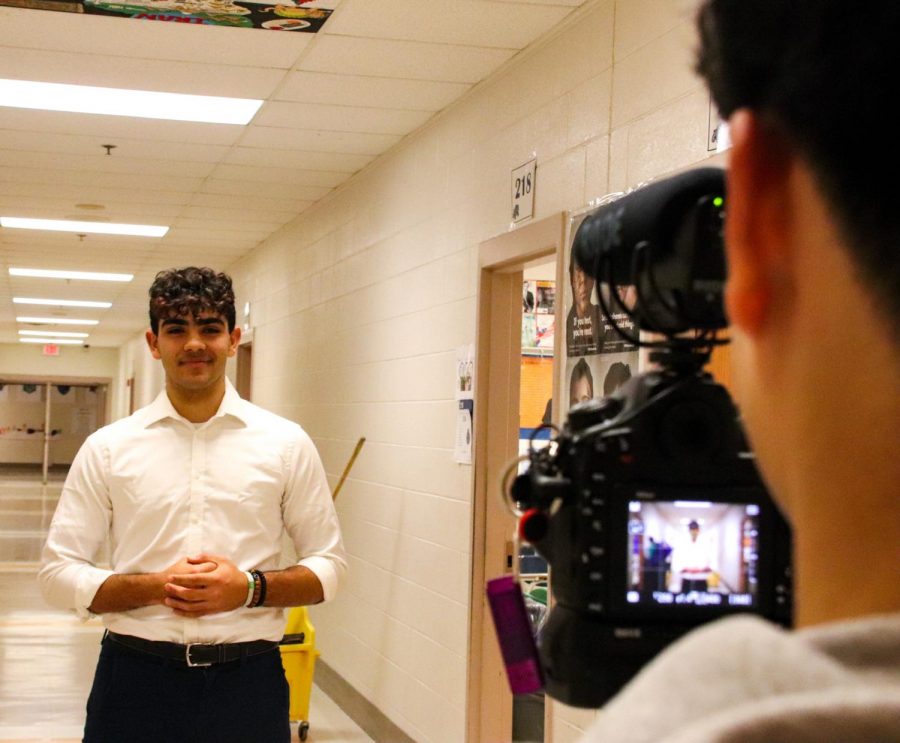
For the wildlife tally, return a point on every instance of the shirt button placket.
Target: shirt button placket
(195, 527)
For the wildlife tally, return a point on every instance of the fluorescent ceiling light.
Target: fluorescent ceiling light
(54, 341)
(56, 333)
(56, 321)
(42, 273)
(87, 99)
(61, 302)
(100, 228)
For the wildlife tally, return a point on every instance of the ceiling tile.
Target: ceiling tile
(240, 224)
(257, 189)
(470, 22)
(340, 118)
(412, 60)
(357, 143)
(89, 194)
(111, 127)
(109, 180)
(103, 164)
(375, 92)
(248, 201)
(334, 161)
(54, 208)
(140, 74)
(286, 176)
(83, 144)
(188, 236)
(239, 213)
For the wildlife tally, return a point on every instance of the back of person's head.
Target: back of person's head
(178, 292)
(820, 73)
(619, 373)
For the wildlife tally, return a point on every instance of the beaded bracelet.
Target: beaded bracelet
(262, 591)
(259, 590)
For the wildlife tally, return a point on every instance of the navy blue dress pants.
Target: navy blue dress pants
(140, 698)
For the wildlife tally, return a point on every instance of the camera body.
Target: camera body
(648, 507)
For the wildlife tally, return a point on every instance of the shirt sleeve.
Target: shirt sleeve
(69, 577)
(310, 518)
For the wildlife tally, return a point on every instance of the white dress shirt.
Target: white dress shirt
(158, 488)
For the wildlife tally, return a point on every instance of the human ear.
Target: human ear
(757, 220)
(152, 343)
(235, 340)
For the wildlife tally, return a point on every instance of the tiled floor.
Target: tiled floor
(47, 657)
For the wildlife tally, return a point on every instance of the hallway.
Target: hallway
(47, 657)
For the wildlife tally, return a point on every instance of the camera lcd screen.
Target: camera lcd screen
(686, 553)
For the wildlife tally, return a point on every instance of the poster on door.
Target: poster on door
(598, 355)
(538, 317)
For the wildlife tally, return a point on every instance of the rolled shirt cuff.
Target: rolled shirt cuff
(89, 581)
(325, 572)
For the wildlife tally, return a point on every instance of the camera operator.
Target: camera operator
(813, 296)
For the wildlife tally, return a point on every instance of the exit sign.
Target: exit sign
(51, 349)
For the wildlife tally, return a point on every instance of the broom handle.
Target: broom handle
(359, 446)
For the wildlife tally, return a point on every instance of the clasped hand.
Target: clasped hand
(205, 584)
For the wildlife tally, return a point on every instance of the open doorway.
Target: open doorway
(244, 377)
(505, 261)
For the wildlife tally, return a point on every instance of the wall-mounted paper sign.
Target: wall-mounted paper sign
(523, 182)
(465, 404)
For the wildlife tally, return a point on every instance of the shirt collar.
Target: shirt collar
(162, 408)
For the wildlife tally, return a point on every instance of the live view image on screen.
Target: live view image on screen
(692, 553)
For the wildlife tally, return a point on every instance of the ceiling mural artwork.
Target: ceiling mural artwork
(306, 16)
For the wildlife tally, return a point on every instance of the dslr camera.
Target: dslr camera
(648, 505)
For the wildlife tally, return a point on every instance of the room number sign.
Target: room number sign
(523, 181)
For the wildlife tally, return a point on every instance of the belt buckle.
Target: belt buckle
(187, 655)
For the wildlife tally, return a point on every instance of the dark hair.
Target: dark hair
(819, 72)
(181, 291)
(693, 525)
(581, 370)
(619, 373)
(573, 264)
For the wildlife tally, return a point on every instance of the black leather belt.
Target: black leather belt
(195, 655)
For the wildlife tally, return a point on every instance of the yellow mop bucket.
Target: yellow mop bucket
(298, 646)
(298, 656)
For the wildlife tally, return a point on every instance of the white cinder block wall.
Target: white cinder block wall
(358, 306)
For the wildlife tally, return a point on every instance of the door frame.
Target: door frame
(498, 358)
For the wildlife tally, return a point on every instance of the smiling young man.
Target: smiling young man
(192, 496)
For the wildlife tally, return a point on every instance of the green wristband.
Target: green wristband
(251, 587)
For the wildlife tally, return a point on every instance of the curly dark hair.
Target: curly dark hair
(820, 72)
(177, 292)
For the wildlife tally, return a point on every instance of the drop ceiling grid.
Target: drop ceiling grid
(334, 102)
